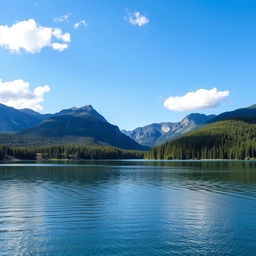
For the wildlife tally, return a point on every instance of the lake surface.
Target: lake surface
(128, 208)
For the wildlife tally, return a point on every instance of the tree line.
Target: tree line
(67, 152)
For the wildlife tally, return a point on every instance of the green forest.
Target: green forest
(67, 152)
(229, 139)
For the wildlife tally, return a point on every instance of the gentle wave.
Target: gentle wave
(125, 208)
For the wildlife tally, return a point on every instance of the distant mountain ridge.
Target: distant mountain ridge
(85, 110)
(159, 133)
(82, 125)
(12, 120)
(241, 112)
(86, 126)
(227, 139)
(230, 135)
(35, 114)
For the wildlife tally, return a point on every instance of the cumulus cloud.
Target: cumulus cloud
(80, 23)
(31, 37)
(63, 18)
(18, 94)
(137, 19)
(199, 99)
(59, 35)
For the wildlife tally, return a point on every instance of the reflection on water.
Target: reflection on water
(128, 208)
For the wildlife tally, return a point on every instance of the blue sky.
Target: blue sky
(127, 71)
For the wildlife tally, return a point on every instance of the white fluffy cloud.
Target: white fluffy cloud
(199, 99)
(80, 23)
(17, 94)
(59, 47)
(29, 36)
(62, 18)
(137, 19)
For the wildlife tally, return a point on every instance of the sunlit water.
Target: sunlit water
(128, 208)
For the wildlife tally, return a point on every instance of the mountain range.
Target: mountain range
(70, 126)
(158, 133)
(85, 126)
(230, 135)
(12, 120)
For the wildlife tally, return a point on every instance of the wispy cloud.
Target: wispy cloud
(62, 18)
(200, 99)
(31, 37)
(18, 94)
(80, 23)
(137, 19)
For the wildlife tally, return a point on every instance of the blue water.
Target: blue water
(128, 208)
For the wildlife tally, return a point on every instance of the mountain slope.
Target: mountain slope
(12, 120)
(228, 139)
(241, 112)
(35, 114)
(84, 111)
(80, 123)
(159, 133)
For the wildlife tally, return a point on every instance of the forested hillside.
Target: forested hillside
(67, 152)
(70, 128)
(229, 139)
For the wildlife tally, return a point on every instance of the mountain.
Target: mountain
(86, 110)
(12, 120)
(229, 139)
(80, 124)
(241, 112)
(35, 114)
(159, 133)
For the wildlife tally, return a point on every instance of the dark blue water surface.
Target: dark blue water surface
(128, 208)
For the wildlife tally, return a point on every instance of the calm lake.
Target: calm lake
(128, 208)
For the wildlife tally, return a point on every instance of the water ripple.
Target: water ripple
(128, 208)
